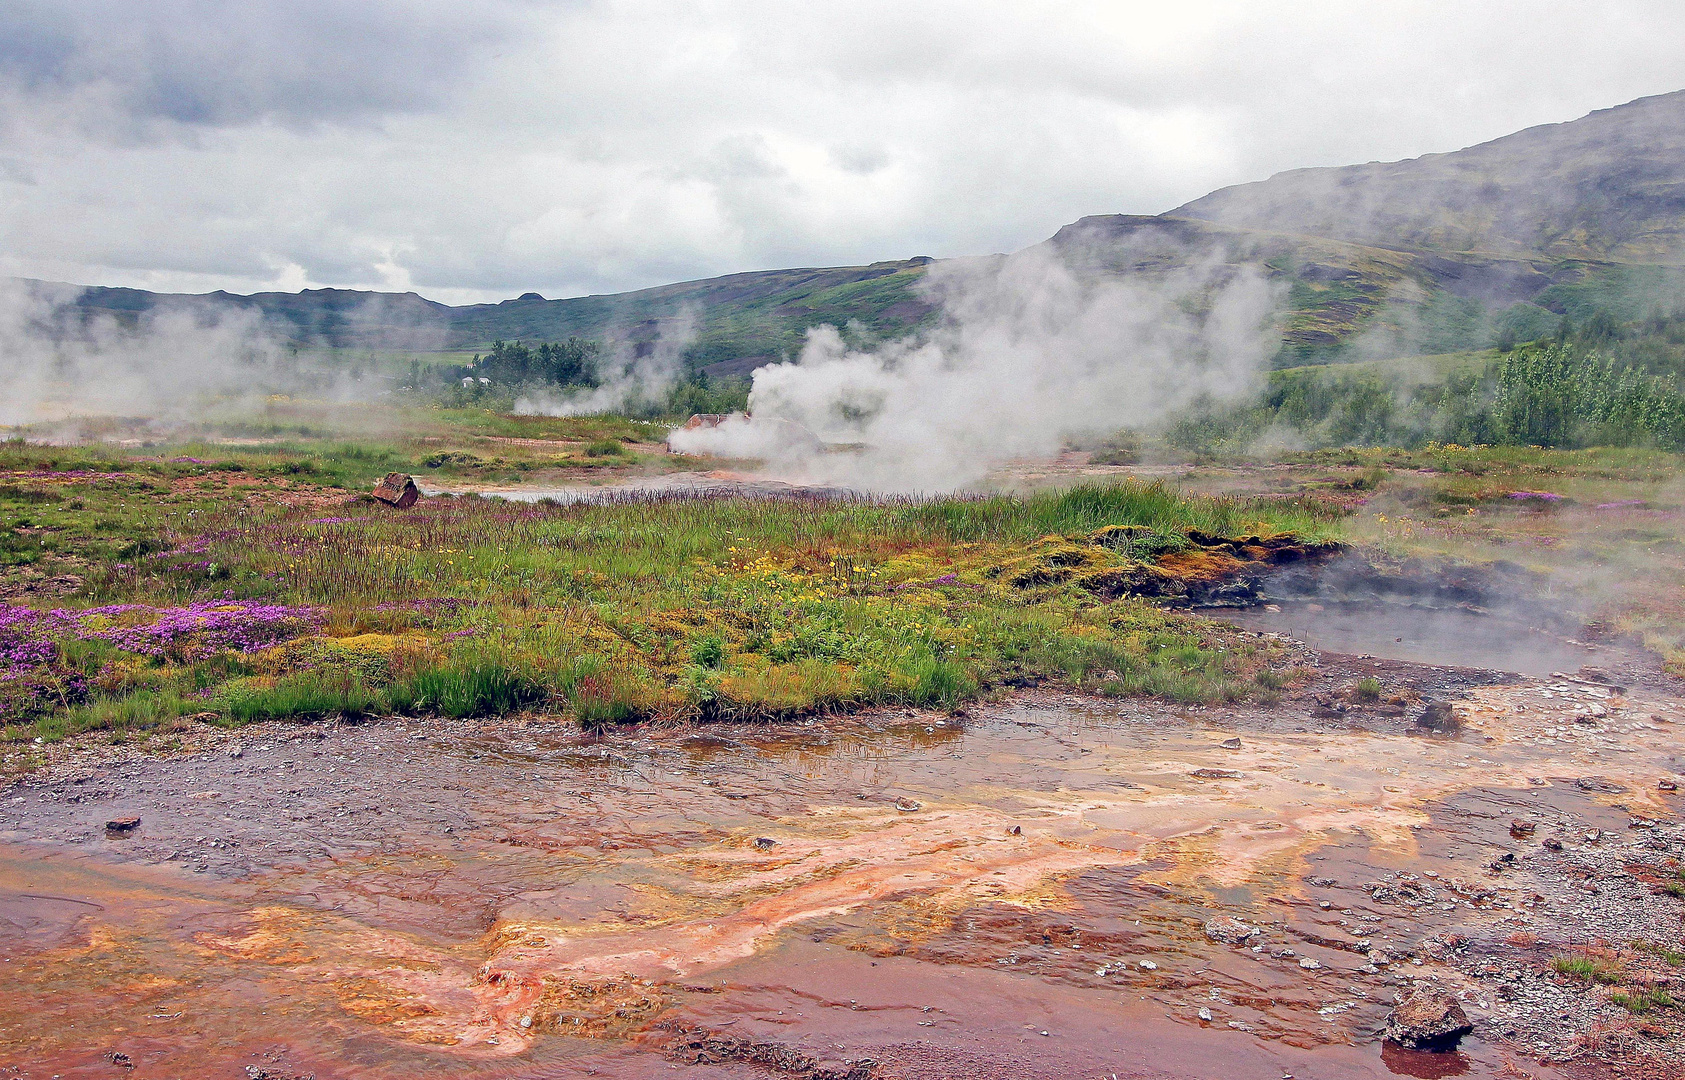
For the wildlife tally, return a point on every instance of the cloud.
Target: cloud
(477, 149)
(129, 69)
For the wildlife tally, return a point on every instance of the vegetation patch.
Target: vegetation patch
(646, 608)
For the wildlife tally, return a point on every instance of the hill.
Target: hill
(1608, 187)
(1433, 254)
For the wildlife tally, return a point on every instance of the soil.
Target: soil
(1021, 890)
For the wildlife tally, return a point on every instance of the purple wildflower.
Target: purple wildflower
(27, 638)
(204, 627)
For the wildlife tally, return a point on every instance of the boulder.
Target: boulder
(397, 490)
(1427, 1020)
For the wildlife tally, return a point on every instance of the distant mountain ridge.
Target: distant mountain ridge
(1427, 254)
(1609, 186)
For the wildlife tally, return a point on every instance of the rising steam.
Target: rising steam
(58, 360)
(630, 374)
(1028, 353)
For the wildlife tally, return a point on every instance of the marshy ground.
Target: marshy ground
(802, 787)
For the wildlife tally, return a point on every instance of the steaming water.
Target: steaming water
(1443, 636)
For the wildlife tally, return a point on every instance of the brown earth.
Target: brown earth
(1021, 891)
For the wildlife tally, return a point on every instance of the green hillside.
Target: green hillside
(1545, 231)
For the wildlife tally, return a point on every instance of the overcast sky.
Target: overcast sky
(475, 149)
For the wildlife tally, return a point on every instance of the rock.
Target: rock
(908, 806)
(397, 490)
(1205, 1014)
(1666, 785)
(1521, 829)
(123, 826)
(764, 843)
(1147, 965)
(1216, 774)
(1551, 843)
(120, 1059)
(1016, 830)
(1231, 743)
(1438, 716)
(1227, 930)
(1427, 1020)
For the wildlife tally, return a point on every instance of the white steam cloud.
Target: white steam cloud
(58, 361)
(631, 372)
(1029, 353)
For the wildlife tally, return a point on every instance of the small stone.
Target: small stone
(1308, 964)
(1231, 743)
(123, 826)
(1205, 1014)
(1016, 830)
(1551, 843)
(907, 806)
(1666, 785)
(1427, 1020)
(1438, 716)
(764, 843)
(1147, 965)
(1521, 829)
(236, 751)
(1227, 930)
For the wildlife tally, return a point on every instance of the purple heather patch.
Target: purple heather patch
(209, 626)
(29, 638)
(26, 638)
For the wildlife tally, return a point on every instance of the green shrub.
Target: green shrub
(708, 651)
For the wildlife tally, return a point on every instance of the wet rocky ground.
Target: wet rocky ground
(1046, 886)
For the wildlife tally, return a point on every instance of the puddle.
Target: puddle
(1453, 636)
(1019, 896)
(718, 484)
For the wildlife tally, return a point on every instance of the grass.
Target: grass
(1642, 1001)
(1587, 967)
(641, 608)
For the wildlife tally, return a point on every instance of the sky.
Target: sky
(472, 150)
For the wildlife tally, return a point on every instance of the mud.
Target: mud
(1022, 891)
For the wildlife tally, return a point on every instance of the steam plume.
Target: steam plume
(1028, 353)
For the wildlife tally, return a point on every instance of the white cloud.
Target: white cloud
(476, 150)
